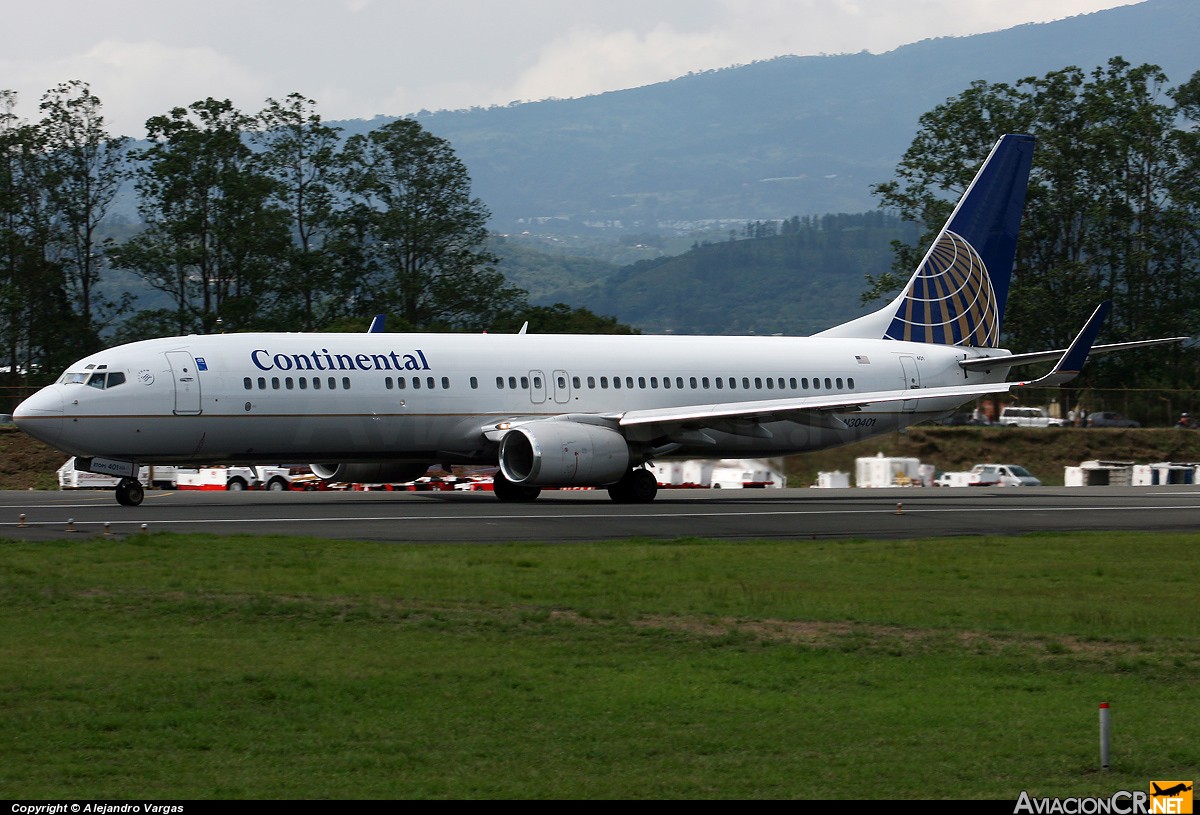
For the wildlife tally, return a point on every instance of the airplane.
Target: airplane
(1170, 792)
(565, 410)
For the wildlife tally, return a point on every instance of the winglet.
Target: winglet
(1071, 362)
(377, 324)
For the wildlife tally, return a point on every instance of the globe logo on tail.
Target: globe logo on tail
(950, 301)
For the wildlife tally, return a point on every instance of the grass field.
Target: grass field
(170, 666)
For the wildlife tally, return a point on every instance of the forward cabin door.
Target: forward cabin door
(187, 382)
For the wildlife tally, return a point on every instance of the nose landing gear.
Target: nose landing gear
(130, 492)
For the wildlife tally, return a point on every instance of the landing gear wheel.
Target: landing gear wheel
(635, 487)
(507, 491)
(130, 492)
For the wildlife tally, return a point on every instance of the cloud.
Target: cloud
(141, 79)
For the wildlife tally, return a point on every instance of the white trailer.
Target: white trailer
(276, 478)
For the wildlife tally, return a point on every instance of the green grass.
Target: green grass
(172, 666)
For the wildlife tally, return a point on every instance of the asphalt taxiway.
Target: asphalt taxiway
(573, 516)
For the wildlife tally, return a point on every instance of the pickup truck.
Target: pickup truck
(1028, 417)
(989, 475)
(1002, 475)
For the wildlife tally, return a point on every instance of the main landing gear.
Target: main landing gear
(635, 487)
(130, 492)
(507, 491)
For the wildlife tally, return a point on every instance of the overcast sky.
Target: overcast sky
(360, 58)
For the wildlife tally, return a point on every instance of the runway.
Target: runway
(577, 516)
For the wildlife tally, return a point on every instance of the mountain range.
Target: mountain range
(782, 137)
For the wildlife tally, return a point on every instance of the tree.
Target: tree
(85, 168)
(1110, 213)
(418, 234)
(38, 330)
(302, 156)
(212, 237)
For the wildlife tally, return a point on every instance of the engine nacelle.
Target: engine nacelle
(384, 472)
(563, 454)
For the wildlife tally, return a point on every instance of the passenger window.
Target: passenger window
(591, 383)
(792, 382)
(732, 383)
(745, 383)
(304, 383)
(262, 383)
(679, 382)
(387, 382)
(828, 384)
(512, 383)
(667, 382)
(816, 384)
(345, 383)
(445, 383)
(316, 383)
(758, 383)
(576, 382)
(692, 382)
(524, 383)
(401, 383)
(332, 384)
(248, 383)
(770, 384)
(416, 383)
(604, 382)
(474, 383)
(720, 383)
(642, 382)
(839, 383)
(804, 383)
(537, 382)
(288, 383)
(617, 382)
(654, 382)
(275, 383)
(629, 382)
(500, 382)
(562, 383)
(429, 383)
(704, 382)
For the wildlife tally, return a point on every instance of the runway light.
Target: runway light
(899, 508)
(106, 532)
(70, 524)
(145, 527)
(21, 521)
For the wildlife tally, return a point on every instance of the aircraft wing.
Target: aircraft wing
(819, 410)
(1008, 361)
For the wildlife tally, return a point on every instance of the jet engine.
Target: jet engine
(563, 454)
(384, 472)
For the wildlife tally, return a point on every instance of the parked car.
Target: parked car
(1028, 417)
(1107, 418)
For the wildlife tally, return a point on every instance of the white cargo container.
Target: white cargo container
(882, 471)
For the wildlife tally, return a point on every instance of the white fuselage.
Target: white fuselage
(431, 397)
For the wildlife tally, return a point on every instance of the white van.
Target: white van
(1028, 417)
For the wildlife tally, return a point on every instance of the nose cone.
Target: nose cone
(41, 415)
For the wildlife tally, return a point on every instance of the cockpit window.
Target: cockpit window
(98, 380)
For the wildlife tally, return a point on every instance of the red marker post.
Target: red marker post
(1104, 734)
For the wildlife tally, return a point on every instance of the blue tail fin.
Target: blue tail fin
(958, 293)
